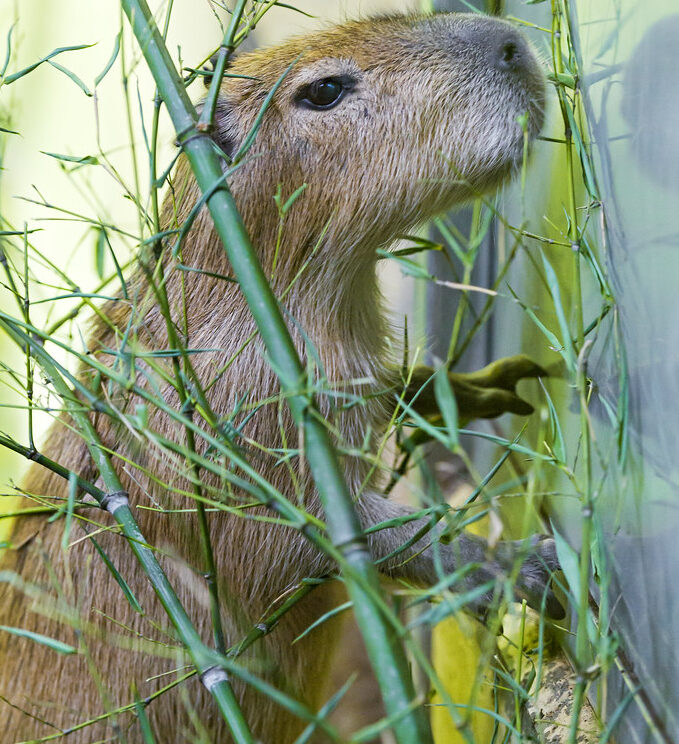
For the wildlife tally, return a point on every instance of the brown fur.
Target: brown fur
(430, 120)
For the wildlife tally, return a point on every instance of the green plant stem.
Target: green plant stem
(560, 12)
(153, 150)
(225, 51)
(581, 637)
(122, 709)
(573, 235)
(31, 454)
(29, 362)
(132, 138)
(160, 290)
(519, 665)
(267, 625)
(385, 650)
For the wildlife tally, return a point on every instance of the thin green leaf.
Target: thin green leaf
(563, 78)
(445, 398)
(327, 709)
(452, 242)
(445, 584)
(119, 271)
(8, 54)
(420, 245)
(214, 274)
(70, 502)
(80, 160)
(587, 171)
(70, 74)
(296, 10)
(451, 606)
(507, 443)
(144, 723)
(569, 561)
(129, 594)
(332, 613)
(558, 445)
(163, 176)
(555, 343)
(100, 252)
(58, 646)
(485, 221)
(76, 295)
(250, 137)
(109, 64)
(16, 75)
(555, 289)
(408, 267)
(435, 432)
(372, 731)
(292, 199)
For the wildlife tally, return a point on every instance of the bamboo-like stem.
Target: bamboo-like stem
(30, 454)
(122, 709)
(581, 638)
(463, 304)
(519, 665)
(159, 288)
(29, 362)
(268, 624)
(384, 648)
(225, 51)
(561, 17)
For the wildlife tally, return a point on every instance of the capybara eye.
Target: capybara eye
(323, 94)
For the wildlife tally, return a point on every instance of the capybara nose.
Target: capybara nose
(501, 46)
(509, 52)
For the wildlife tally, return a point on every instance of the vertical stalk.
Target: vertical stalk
(581, 639)
(384, 647)
(225, 51)
(153, 154)
(160, 290)
(29, 361)
(132, 139)
(573, 236)
(519, 666)
(469, 260)
(560, 9)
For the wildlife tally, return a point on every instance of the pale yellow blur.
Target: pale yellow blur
(458, 660)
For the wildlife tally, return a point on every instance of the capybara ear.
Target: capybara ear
(220, 133)
(224, 130)
(209, 69)
(210, 65)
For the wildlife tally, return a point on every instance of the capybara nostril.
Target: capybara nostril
(509, 53)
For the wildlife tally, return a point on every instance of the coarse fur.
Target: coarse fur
(431, 118)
